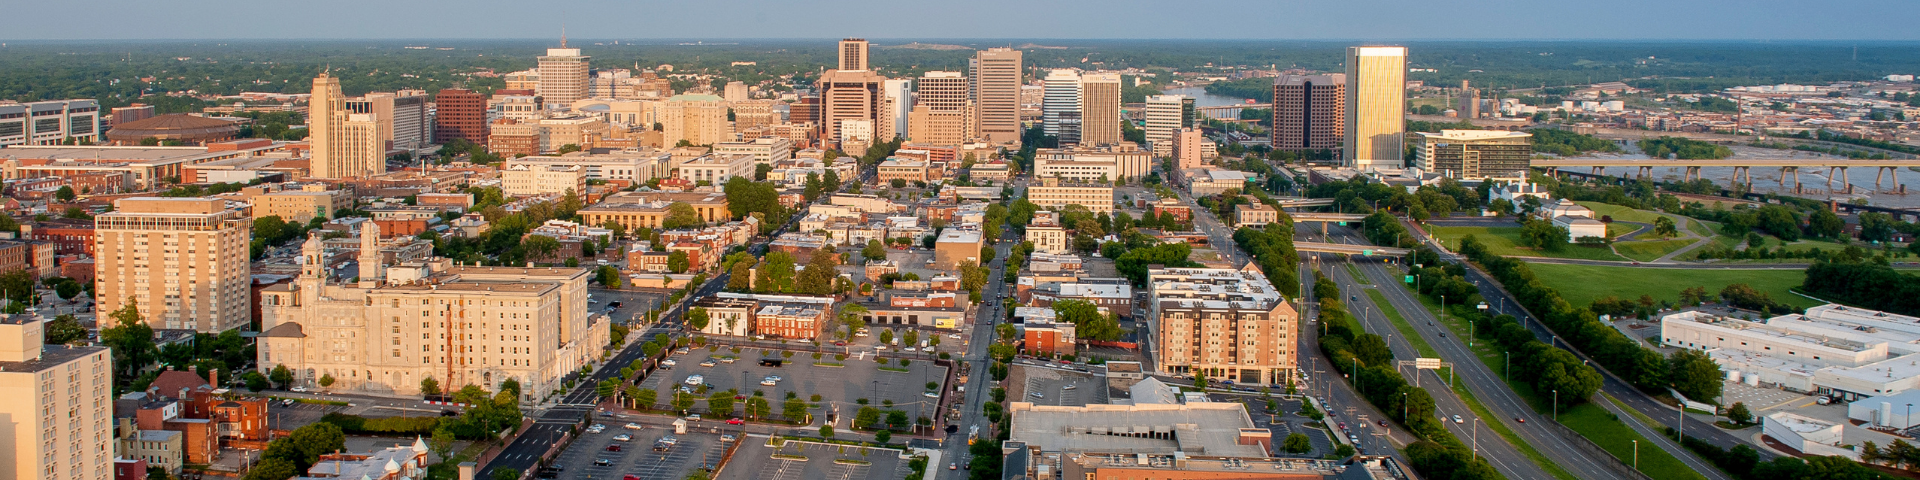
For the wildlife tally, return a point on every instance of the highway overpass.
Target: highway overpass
(1348, 249)
(1886, 169)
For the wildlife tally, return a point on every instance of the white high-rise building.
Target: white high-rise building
(1165, 115)
(1060, 106)
(1376, 107)
(900, 100)
(345, 144)
(563, 75)
(735, 92)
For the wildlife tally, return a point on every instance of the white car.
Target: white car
(668, 363)
(707, 363)
(1457, 419)
(693, 417)
(931, 394)
(622, 438)
(955, 336)
(775, 377)
(1070, 387)
(696, 380)
(727, 359)
(769, 382)
(298, 389)
(632, 426)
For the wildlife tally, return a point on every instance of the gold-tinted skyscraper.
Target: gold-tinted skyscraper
(996, 93)
(563, 75)
(853, 54)
(1100, 109)
(1376, 106)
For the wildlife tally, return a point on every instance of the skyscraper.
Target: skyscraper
(1100, 109)
(59, 405)
(1309, 112)
(1060, 106)
(1165, 115)
(345, 144)
(853, 55)
(401, 118)
(460, 113)
(900, 100)
(1376, 106)
(853, 96)
(996, 93)
(942, 113)
(735, 92)
(563, 75)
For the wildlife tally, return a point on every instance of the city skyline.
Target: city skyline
(1388, 20)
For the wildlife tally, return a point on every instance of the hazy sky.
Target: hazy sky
(1092, 19)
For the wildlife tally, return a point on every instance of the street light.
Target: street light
(1470, 325)
(1556, 406)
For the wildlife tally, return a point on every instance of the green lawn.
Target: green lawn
(1582, 284)
(1505, 241)
(1620, 213)
(1650, 250)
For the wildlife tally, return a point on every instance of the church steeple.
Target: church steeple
(312, 258)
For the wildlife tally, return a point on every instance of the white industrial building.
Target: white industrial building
(1834, 350)
(1809, 435)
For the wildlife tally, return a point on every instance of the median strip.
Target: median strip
(1466, 396)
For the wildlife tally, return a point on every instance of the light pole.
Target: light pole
(1476, 438)
(1471, 334)
(1556, 407)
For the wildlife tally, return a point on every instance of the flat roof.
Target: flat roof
(1196, 429)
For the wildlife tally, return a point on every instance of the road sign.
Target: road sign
(1424, 363)
(1343, 224)
(1366, 253)
(1409, 279)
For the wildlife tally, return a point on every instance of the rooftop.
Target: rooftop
(1195, 429)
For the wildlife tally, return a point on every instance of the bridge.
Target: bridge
(1888, 169)
(1325, 218)
(1346, 249)
(1229, 112)
(1290, 202)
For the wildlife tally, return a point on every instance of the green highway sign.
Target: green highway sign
(1409, 279)
(1366, 253)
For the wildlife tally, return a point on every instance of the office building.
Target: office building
(1055, 193)
(1165, 116)
(1190, 148)
(853, 96)
(956, 246)
(717, 168)
(852, 55)
(345, 144)
(942, 113)
(649, 209)
(59, 406)
(895, 168)
(1225, 323)
(527, 181)
(1309, 112)
(796, 317)
(400, 119)
(1376, 107)
(621, 167)
(697, 119)
(131, 113)
(1047, 235)
(50, 122)
(997, 77)
(183, 260)
(1148, 426)
(764, 150)
(407, 322)
(563, 75)
(1086, 163)
(459, 113)
(298, 206)
(734, 92)
(1475, 154)
(900, 100)
(1060, 106)
(1100, 109)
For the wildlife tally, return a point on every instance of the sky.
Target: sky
(973, 19)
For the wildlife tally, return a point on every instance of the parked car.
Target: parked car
(622, 438)
(696, 380)
(632, 426)
(708, 363)
(602, 462)
(735, 421)
(613, 448)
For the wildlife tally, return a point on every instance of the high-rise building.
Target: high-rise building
(400, 118)
(563, 75)
(698, 119)
(1376, 107)
(856, 96)
(900, 100)
(1225, 323)
(1060, 106)
(460, 113)
(942, 113)
(1309, 112)
(182, 261)
(1100, 109)
(853, 55)
(408, 322)
(1475, 154)
(997, 76)
(59, 406)
(345, 144)
(1189, 148)
(1470, 100)
(735, 92)
(1165, 115)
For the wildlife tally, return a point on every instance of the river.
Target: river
(1203, 99)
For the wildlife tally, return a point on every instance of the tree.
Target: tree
(255, 381)
(1695, 375)
(740, 277)
(326, 380)
(271, 469)
(1825, 224)
(429, 387)
(1664, 227)
(609, 276)
(64, 329)
(131, 341)
(826, 431)
(886, 336)
(64, 194)
(681, 215)
(1739, 413)
(720, 402)
(316, 439)
(817, 277)
(1297, 443)
(898, 183)
(1543, 235)
(697, 318)
(882, 436)
(1200, 379)
(540, 247)
(677, 262)
(1087, 320)
(281, 376)
(504, 473)
(646, 398)
(874, 251)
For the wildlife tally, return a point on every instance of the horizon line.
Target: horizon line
(982, 39)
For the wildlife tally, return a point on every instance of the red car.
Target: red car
(735, 421)
(613, 448)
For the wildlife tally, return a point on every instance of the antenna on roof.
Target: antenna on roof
(563, 35)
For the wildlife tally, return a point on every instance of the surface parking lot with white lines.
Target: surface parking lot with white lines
(854, 380)
(637, 457)
(755, 461)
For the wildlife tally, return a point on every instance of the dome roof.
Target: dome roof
(174, 126)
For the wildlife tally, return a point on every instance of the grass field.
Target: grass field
(1505, 241)
(1650, 250)
(1620, 213)
(1582, 284)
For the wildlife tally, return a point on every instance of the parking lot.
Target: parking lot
(632, 302)
(838, 382)
(637, 457)
(298, 414)
(1283, 420)
(756, 461)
